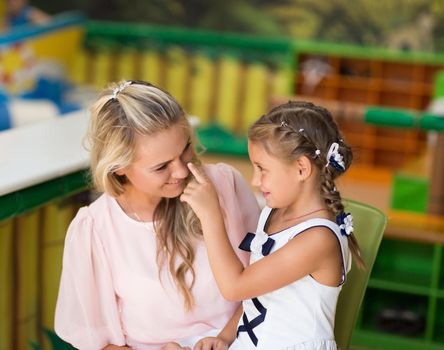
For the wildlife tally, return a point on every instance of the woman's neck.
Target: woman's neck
(137, 205)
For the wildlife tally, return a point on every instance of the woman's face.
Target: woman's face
(160, 165)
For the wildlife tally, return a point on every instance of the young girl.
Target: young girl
(300, 252)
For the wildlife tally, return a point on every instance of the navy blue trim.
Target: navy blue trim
(249, 325)
(266, 247)
(246, 244)
(27, 31)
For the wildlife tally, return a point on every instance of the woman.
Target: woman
(135, 269)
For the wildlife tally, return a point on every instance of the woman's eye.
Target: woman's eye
(187, 154)
(163, 167)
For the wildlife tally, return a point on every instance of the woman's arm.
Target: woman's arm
(303, 255)
(87, 315)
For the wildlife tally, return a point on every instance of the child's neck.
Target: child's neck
(283, 218)
(302, 208)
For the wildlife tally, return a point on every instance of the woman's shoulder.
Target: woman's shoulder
(88, 217)
(220, 170)
(225, 178)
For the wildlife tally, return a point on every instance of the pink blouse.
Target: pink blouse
(110, 292)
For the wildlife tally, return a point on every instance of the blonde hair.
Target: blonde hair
(120, 112)
(296, 129)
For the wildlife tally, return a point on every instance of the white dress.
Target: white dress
(298, 316)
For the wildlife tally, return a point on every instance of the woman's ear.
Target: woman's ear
(304, 167)
(120, 171)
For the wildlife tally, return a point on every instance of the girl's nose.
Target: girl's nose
(255, 180)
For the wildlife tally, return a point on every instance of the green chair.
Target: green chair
(369, 225)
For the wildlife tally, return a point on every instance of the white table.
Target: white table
(39, 152)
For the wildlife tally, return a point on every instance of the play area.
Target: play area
(390, 105)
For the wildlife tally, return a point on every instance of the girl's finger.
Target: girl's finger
(198, 173)
(184, 197)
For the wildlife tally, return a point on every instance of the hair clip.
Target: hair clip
(120, 88)
(345, 223)
(284, 124)
(334, 158)
(301, 130)
(317, 152)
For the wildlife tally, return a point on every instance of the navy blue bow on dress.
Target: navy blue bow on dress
(249, 325)
(246, 244)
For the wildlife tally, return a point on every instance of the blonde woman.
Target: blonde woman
(136, 273)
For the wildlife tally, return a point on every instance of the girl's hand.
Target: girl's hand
(211, 343)
(174, 346)
(201, 195)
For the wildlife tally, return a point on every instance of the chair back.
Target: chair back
(369, 225)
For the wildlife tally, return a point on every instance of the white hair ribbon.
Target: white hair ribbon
(334, 158)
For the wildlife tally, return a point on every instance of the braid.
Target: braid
(329, 192)
(333, 200)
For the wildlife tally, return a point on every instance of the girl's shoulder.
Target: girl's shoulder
(324, 224)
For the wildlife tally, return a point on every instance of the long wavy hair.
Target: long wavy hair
(296, 129)
(116, 117)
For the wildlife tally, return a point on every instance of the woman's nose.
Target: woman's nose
(180, 170)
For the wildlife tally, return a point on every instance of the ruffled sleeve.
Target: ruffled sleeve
(87, 313)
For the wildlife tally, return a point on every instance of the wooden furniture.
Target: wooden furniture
(370, 80)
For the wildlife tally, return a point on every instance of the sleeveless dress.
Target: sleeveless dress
(299, 315)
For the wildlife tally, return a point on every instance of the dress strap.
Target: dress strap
(263, 218)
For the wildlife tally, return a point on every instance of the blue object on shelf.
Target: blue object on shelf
(5, 116)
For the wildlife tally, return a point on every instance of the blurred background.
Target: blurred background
(377, 66)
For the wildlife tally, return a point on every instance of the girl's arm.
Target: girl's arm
(303, 255)
(228, 334)
(225, 338)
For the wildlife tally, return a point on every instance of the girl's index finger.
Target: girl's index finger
(199, 175)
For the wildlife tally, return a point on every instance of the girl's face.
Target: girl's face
(160, 165)
(277, 180)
